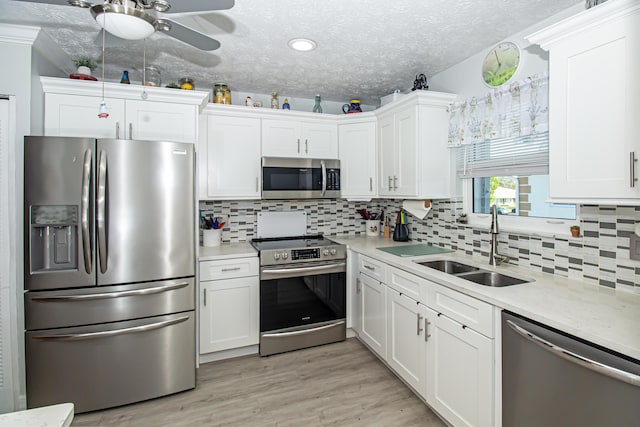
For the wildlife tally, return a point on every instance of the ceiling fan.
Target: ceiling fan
(138, 19)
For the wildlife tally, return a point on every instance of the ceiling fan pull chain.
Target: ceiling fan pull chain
(102, 110)
(144, 94)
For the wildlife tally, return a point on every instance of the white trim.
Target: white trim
(516, 224)
(18, 34)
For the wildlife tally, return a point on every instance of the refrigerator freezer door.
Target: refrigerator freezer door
(75, 307)
(145, 211)
(111, 364)
(58, 212)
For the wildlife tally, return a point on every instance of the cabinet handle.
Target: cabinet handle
(419, 329)
(395, 182)
(370, 183)
(117, 130)
(306, 146)
(427, 335)
(204, 291)
(358, 284)
(632, 168)
(257, 187)
(298, 145)
(368, 267)
(230, 269)
(389, 182)
(130, 130)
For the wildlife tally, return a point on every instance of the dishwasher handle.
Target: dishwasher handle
(577, 359)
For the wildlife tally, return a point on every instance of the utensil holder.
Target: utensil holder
(373, 227)
(211, 238)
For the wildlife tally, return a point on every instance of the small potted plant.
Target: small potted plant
(85, 65)
(463, 218)
(575, 230)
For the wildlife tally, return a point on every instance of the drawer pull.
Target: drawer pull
(419, 329)
(368, 267)
(224, 270)
(427, 335)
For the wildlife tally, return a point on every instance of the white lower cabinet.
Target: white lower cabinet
(406, 346)
(373, 315)
(229, 306)
(460, 371)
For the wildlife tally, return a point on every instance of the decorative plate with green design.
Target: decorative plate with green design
(500, 64)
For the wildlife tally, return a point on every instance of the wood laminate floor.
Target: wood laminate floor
(340, 384)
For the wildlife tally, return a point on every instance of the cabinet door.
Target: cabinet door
(406, 346)
(77, 115)
(459, 372)
(386, 143)
(595, 127)
(405, 149)
(281, 138)
(233, 158)
(319, 140)
(357, 153)
(159, 121)
(373, 314)
(229, 314)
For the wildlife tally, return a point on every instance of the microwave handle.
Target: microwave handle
(324, 177)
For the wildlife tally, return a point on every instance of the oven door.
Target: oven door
(302, 306)
(291, 178)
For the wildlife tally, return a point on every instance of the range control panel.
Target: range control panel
(290, 256)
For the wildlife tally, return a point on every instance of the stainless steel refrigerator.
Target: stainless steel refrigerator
(109, 270)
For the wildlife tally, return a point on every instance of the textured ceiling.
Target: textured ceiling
(366, 49)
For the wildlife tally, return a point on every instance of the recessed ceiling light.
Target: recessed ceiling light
(302, 45)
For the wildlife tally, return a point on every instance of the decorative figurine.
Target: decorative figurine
(317, 108)
(248, 102)
(274, 100)
(420, 83)
(125, 77)
(286, 105)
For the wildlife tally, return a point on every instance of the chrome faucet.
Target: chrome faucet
(495, 258)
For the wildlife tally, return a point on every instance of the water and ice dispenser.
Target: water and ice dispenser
(54, 238)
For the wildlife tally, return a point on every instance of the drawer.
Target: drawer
(372, 268)
(229, 268)
(408, 284)
(473, 313)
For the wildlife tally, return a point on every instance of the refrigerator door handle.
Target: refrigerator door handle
(101, 201)
(84, 211)
(108, 334)
(107, 295)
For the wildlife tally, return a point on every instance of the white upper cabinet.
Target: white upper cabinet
(298, 138)
(72, 106)
(357, 153)
(414, 161)
(594, 104)
(230, 158)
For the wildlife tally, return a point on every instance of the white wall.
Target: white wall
(465, 78)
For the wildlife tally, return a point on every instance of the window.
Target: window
(502, 155)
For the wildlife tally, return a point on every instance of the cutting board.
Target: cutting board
(415, 250)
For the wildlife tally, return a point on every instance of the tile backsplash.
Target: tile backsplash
(600, 256)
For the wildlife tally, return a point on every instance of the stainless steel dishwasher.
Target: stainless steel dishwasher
(550, 378)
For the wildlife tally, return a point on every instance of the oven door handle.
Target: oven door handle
(302, 331)
(278, 273)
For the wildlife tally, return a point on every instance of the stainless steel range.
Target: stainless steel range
(302, 292)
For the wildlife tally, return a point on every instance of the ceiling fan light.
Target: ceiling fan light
(302, 45)
(124, 22)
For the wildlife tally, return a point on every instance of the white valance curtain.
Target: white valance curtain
(506, 132)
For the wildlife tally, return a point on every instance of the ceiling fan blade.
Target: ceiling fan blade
(197, 5)
(192, 37)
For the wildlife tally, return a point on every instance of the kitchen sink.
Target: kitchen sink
(473, 274)
(447, 266)
(492, 278)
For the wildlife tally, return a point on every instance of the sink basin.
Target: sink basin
(447, 266)
(491, 278)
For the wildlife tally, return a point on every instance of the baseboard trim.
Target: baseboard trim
(229, 354)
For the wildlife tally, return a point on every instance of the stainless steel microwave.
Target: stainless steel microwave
(292, 178)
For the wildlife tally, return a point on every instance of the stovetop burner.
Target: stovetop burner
(292, 242)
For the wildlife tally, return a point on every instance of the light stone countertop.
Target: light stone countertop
(226, 251)
(607, 317)
(47, 416)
